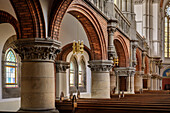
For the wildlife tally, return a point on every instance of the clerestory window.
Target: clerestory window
(167, 31)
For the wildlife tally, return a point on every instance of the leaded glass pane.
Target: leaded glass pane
(10, 69)
(10, 56)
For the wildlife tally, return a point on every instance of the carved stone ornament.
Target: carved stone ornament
(139, 1)
(37, 49)
(62, 66)
(100, 65)
(125, 71)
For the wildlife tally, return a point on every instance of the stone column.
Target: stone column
(111, 28)
(61, 78)
(112, 80)
(138, 81)
(149, 83)
(128, 83)
(154, 82)
(132, 83)
(37, 80)
(100, 78)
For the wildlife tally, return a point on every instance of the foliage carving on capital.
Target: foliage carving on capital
(37, 49)
(62, 66)
(100, 66)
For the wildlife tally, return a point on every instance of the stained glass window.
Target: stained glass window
(10, 69)
(167, 31)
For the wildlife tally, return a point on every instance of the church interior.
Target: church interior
(85, 56)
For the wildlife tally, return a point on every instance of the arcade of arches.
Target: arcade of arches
(126, 49)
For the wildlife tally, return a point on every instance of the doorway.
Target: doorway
(122, 81)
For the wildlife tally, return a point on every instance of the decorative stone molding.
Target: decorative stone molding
(154, 75)
(61, 66)
(37, 49)
(124, 71)
(139, 73)
(100, 65)
(146, 76)
(139, 1)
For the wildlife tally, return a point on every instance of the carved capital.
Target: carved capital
(125, 71)
(111, 29)
(61, 66)
(37, 49)
(100, 65)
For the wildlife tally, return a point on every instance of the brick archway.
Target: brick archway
(7, 18)
(122, 51)
(68, 48)
(91, 25)
(30, 17)
(139, 60)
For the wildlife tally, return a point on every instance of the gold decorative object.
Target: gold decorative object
(78, 47)
(116, 61)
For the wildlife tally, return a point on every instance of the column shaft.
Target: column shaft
(100, 78)
(37, 86)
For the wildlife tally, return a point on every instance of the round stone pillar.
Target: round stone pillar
(100, 78)
(37, 80)
(138, 82)
(112, 81)
(61, 78)
(154, 82)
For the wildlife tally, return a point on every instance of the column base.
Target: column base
(125, 92)
(39, 111)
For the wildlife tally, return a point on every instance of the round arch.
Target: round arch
(68, 48)
(92, 28)
(122, 51)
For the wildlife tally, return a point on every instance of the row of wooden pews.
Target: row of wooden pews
(138, 103)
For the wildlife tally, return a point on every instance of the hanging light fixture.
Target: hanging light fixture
(78, 47)
(116, 61)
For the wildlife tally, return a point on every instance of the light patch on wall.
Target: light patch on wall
(70, 30)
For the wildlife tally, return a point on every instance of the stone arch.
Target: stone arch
(7, 18)
(92, 28)
(68, 48)
(10, 92)
(30, 17)
(146, 70)
(139, 60)
(122, 51)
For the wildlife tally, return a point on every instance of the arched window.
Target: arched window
(167, 31)
(73, 75)
(77, 75)
(82, 76)
(11, 78)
